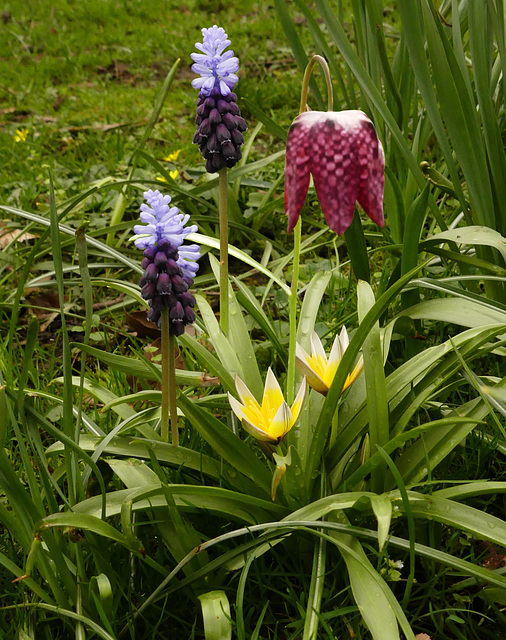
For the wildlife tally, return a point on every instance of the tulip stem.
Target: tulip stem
(305, 83)
(290, 375)
(223, 210)
(169, 391)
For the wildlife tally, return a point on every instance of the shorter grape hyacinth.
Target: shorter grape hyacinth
(169, 267)
(220, 126)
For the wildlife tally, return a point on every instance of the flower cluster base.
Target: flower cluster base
(220, 130)
(164, 286)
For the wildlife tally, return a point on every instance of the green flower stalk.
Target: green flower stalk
(289, 187)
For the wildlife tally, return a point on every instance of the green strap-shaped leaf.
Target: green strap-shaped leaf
(226, 444)
(480, 524)
(216, 614)
(377, 403)
(141, 369)
(239, 340)
(250, 303)
(242, 508)
(382, 508)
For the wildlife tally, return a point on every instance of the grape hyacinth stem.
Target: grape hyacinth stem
(173, 391)
(169, 391)
(290, 374)
(164, 321)
(223, 210)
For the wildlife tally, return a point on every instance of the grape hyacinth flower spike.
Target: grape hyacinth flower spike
(220, 126)
(219, 131)
(169, 269)
(343, 154)
(169, 266)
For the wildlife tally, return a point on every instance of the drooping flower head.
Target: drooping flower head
(220, 127)
(343, 154)
(169, 265)
(271, 420)
(319, 370)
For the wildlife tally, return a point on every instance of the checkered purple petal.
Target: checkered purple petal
(342, 152)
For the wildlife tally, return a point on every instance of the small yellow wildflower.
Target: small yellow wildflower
(271, 420)
(21, 135)
(173, 174)
(320, 370)
(172, 157)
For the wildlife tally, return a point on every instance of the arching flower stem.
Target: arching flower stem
(297, 232)
(305, 83)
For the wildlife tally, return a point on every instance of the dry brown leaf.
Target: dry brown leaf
(16, 235)
(14, 112)
(138, 321)
(44, 303)
(49, 319)
(493, 560)
(96, 126)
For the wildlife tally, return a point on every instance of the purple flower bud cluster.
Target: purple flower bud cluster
(166, 287)
(220, 130)
(219, 123)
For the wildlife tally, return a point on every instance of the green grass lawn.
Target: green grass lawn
(79, 80)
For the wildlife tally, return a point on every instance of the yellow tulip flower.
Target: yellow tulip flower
(271, 420)
(320, 370)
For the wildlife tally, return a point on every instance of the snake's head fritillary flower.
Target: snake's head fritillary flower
(220, 127)
(169, 265)
(271, 420)
(343, 154)
(320, 370)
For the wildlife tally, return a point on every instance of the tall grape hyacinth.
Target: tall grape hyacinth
(220, 127)
(169, 266)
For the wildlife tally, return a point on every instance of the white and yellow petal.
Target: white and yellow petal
(357, 370)
(273, 397)
(305, 368)
(344, 339)
(298, 402)
(237, 408)
(317, 349)
(336, 353)
(257, 433)
(244, 393)
(249, 410)
(281, 423)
